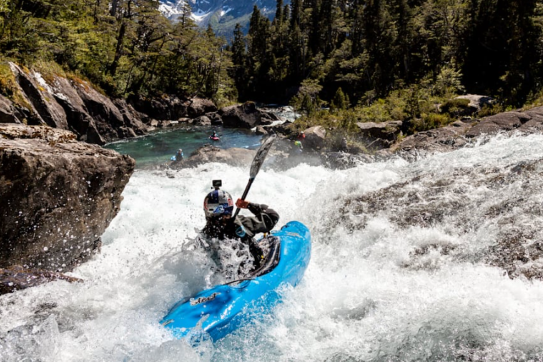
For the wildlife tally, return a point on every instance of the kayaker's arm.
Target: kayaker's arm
(267, 215)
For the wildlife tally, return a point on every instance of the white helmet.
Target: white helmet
(218, 203)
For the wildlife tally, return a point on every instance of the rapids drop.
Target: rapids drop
(411, 262)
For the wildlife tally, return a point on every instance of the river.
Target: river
(400, 269)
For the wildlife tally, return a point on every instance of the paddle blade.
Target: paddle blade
(261, 155)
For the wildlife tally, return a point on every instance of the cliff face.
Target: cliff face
(57, 196)
(74, 105)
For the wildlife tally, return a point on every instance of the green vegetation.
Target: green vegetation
(125, 47)
(338, 62)
(392, 59)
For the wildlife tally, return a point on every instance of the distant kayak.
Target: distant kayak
(222, 309)
(214, 138)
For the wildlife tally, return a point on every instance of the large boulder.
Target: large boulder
(314, 138)
(477, 102)
(58, 196)
(197, 107)
(241, 116)
(164, 108)
(378, 135)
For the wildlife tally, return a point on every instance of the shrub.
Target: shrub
(429, 121)
(455, 107)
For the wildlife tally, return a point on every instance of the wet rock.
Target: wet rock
(527, 122)
(468, 203)
(58, 196)
(215, 118)
(343, 160)
(18, 278)
(209, 153)
(201, 121)
(260, 130)
(435, 140)
(461, 132)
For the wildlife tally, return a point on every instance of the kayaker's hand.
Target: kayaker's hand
(242, 204)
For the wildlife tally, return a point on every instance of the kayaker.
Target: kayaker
(219, 207)
(179, 155)
(299, 145)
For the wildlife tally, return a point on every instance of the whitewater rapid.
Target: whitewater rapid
(366, 295)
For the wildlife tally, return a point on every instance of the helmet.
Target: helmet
(218, 203)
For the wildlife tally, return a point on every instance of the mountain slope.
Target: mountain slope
(222, 15)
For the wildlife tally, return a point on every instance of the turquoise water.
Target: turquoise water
(159, 147)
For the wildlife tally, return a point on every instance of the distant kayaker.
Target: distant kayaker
(219, 207)
(179, 155)
(299, 145)
(301, 136)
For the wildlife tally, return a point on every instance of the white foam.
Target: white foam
(365, 296)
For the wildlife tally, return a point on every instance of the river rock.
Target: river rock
(201, 121)
(529, 121)
(241, 116)
(314, 138)
(58, 196)
(18, 278)
(261, 130)
(198, 107)
(382, 130)
(209, 153)
(460, 133)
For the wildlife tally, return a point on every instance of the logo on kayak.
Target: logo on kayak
(200, 300)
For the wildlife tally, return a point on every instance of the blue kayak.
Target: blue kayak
(222, 309)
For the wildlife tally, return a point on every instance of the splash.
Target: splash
(435, 259)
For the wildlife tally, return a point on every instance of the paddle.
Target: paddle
(255, 167)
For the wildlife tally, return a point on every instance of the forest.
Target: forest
(124, 47)
(354, 60)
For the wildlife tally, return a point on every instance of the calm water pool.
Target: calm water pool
(160, 146)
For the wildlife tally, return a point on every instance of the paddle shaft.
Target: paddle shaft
(255, 166)
(245, 194)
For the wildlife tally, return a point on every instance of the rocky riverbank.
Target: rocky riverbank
(58, 195)
(76, 105)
